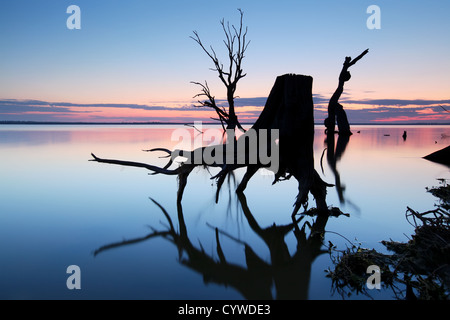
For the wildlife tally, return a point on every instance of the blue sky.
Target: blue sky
(138, 53)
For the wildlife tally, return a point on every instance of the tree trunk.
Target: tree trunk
(289, 108)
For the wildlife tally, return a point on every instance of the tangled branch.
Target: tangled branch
(236, 44)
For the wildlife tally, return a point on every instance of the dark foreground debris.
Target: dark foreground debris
(417, 269)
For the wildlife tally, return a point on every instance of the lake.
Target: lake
(57, 208)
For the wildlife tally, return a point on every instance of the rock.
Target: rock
(441, 156)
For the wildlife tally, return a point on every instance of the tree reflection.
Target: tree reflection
(334, 153)
(289, 274)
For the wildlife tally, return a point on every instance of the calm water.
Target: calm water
(57, 208)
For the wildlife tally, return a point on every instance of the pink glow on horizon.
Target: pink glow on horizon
(171, 112)
(427, 118)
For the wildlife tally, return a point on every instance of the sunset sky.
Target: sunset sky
(134, 60)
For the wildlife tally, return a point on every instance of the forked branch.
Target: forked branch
(236, 44)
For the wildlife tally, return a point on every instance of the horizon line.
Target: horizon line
(11, 122)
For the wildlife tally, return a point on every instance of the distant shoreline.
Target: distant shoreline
(97, 123)
(188, 123)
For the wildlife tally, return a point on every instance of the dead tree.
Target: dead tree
(335, 109)
(289, 108)
(236, 44)
(285, 127)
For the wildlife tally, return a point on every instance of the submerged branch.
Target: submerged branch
(136, 164)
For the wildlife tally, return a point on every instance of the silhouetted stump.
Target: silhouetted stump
(289, 108)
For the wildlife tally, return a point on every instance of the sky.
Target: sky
(134, 60)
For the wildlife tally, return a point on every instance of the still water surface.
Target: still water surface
(57, 208)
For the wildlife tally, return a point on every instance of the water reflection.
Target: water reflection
(334, 156)
(34, 137)
(381, 174)
(288, 274)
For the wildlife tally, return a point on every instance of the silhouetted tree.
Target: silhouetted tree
(335, 109)
(236, 44)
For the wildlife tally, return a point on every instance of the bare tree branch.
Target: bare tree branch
(236, 45)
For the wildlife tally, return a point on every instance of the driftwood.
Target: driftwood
(285, 127)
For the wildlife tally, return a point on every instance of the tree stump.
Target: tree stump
(290, 109)
(288, 118)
